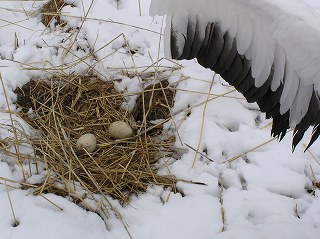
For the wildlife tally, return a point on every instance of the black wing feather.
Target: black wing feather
(217, 50)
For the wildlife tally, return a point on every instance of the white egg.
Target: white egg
(120, 130)
(87, 142)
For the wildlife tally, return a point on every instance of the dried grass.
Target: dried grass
(157, 99)
(52, 11)
(64, 108)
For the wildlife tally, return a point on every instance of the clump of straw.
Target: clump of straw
(51, 11)
(63, 109)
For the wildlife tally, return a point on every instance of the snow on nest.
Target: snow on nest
(264, 192)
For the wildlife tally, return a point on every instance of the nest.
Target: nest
(157, 100)
(52, 11)
(63, 109)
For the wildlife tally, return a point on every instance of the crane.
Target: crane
(269, 50)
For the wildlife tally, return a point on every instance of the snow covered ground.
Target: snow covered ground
(255, 186)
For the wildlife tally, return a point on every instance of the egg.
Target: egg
(120, 130)
(87, 142)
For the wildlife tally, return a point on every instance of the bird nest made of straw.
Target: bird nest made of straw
(65, 108)
(51, 11)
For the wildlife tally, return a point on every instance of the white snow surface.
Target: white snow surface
(254, 187)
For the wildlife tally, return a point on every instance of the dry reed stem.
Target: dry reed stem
(223, 219)
(312, 154)
(202, 123)
(16, 222)
(14, 129)
(80, 27)
(251, 150)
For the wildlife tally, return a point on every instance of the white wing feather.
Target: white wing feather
(244, 38)
(181, 26)
(290, 89)
(301, 103)
(279, 66)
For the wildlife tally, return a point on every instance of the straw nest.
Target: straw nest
(158, 98)
(64, 108)
(51, 11)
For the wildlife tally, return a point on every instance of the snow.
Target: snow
(39, 218)
(157, 221)
(250, 185)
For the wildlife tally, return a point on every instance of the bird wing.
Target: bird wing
(267, 49)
